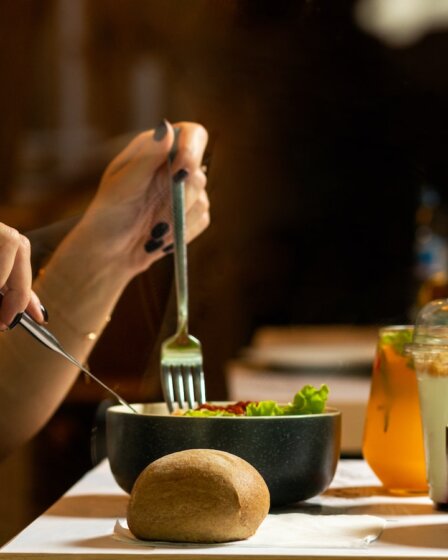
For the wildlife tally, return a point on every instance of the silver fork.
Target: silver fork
(182, 374)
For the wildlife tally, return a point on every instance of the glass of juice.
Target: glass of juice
(393, 436)
(429, 350)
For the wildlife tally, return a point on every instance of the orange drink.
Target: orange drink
(393, 435)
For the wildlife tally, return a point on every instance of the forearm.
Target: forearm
(80, 290)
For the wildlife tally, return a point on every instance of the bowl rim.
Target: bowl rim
(122, 409)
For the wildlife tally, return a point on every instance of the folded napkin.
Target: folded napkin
(292, 530)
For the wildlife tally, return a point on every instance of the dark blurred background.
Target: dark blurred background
(323, 143)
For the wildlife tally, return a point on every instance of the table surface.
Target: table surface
(81, 524)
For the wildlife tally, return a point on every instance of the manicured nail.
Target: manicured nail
(168, 248)
(180, 176)
(44, 313)
(152, 245)
(160, 229)
(160, 131)
(15, 321)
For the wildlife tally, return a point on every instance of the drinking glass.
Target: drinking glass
(429, 350)
(393, 437)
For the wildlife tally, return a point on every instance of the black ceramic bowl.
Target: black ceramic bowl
(296, 455)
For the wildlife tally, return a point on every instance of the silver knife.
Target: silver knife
(47, 339)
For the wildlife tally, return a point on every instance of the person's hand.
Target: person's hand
(15, 279)
(130, 216)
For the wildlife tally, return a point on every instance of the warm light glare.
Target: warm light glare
(400, 23)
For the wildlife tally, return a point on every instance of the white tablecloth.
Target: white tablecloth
(81, 524)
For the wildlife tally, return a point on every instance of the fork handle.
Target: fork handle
(180, 255)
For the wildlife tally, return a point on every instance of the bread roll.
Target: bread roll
(198, 495)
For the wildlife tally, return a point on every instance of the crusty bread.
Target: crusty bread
(198, 495)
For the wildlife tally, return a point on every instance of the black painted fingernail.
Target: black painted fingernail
(160, 131)
(15, 321)
(181, 175)
(160, 229)
(152, 245)
(44, 313)
(168, 248)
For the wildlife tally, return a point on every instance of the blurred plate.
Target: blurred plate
(320, 347)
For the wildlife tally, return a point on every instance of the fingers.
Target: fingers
(194, 186)
(134, 168)
(36, 309)
(138, 174)
(133, 173)
(135, 195)
(196, 204)
(15, 274)
(198, 217)
(192, 142)
(16, 278)
(10, 241)
(191, 146)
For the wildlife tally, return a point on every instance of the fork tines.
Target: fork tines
(184, 385)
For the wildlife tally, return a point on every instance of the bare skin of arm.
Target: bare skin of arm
(90, 269)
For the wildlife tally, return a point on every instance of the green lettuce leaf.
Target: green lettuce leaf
(308, 400)
(264, 408)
